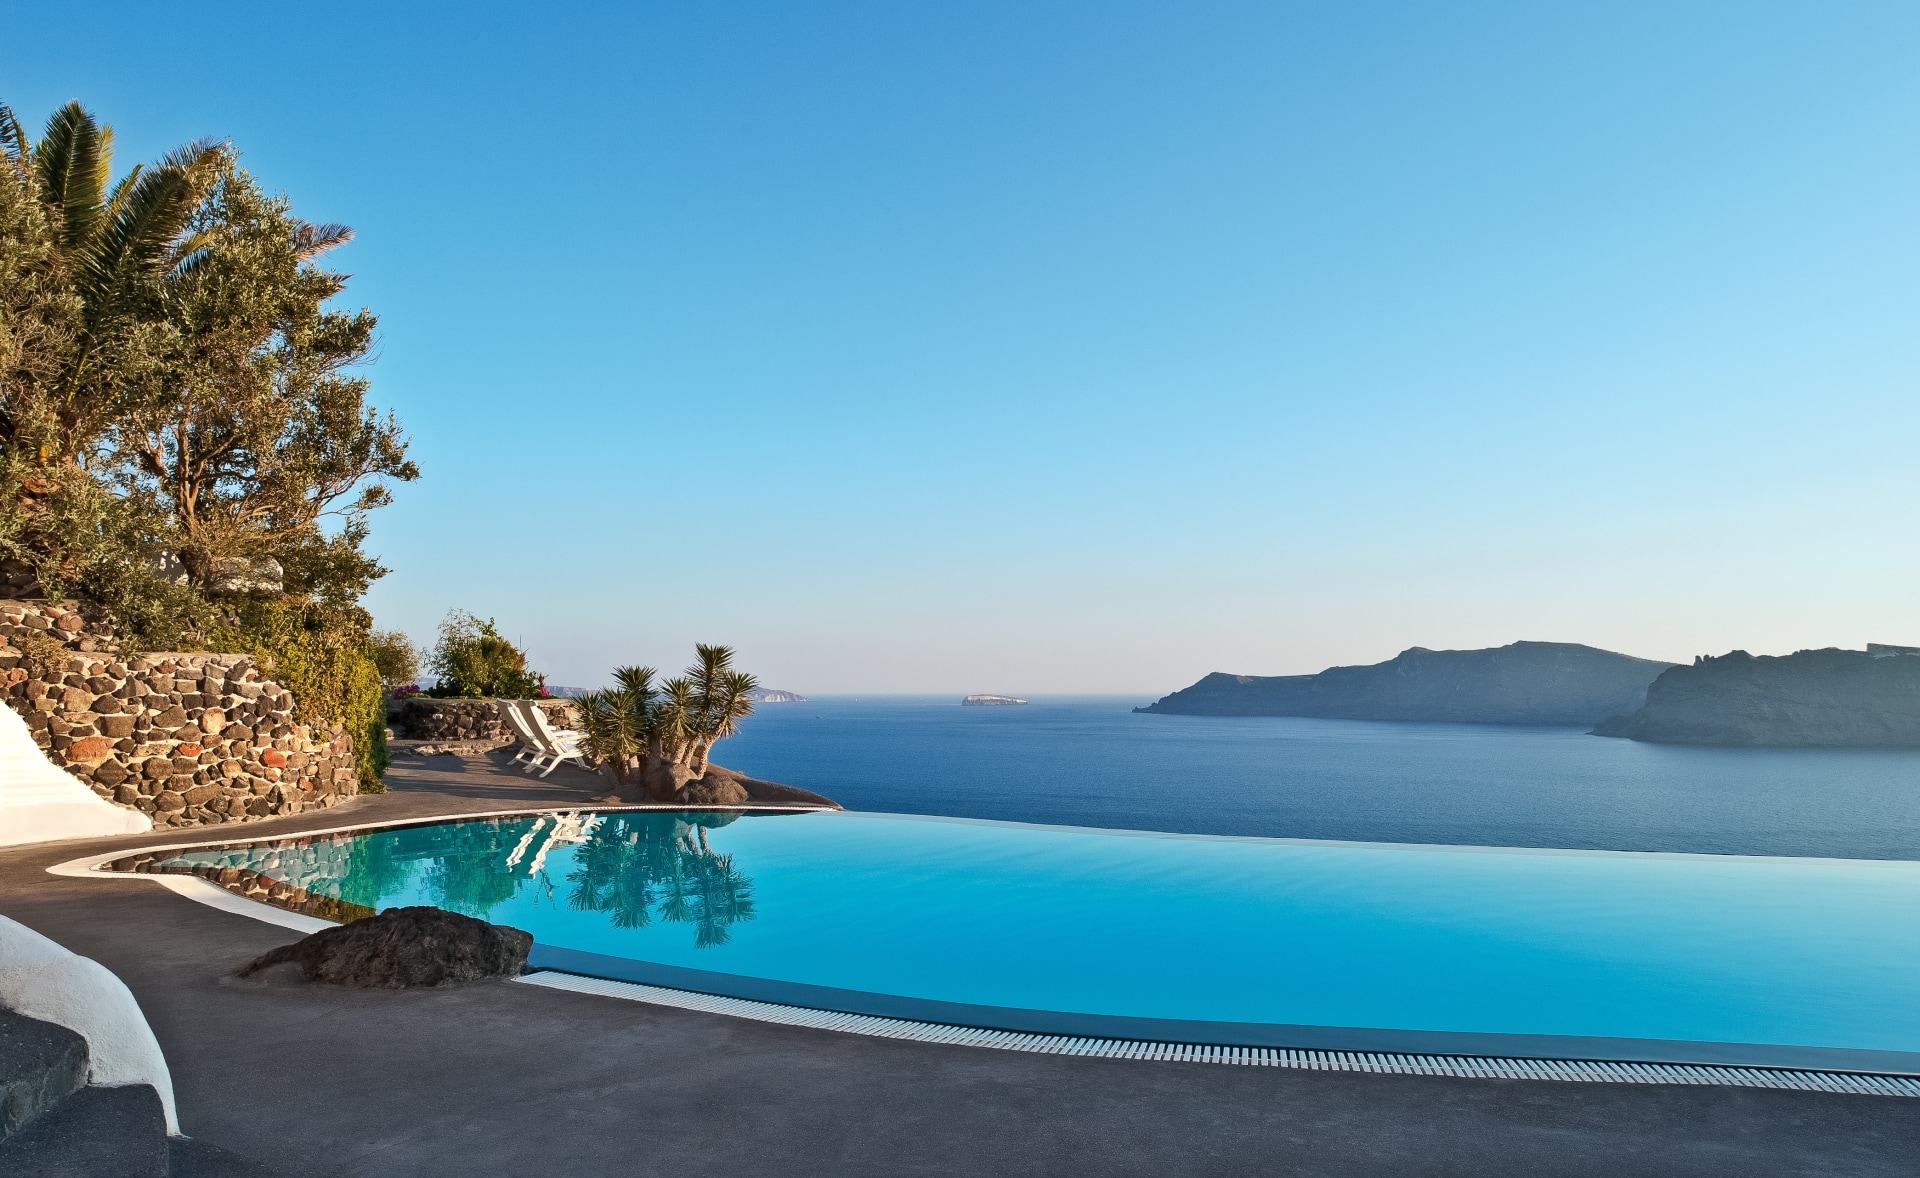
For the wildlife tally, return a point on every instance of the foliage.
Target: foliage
(40, 653)
(175, 387)
(320, 652)
(396, 656)
(246, 429)
(173, 382)
(616, 725)
(102, 253)
(635, 724)
(472, 661)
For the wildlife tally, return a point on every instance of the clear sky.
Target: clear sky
(1049, 347)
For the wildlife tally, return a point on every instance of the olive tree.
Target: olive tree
(248, 426)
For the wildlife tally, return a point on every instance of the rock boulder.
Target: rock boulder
(717, 786)
(403, 947)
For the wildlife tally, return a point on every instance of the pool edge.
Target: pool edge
(1378, 1043)
(1126, 1028)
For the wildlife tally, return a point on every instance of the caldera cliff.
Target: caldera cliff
(1816, 698)
(1549, 683)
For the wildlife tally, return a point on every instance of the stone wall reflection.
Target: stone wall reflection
(639, 869)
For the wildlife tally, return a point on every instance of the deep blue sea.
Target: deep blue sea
(1089, 761)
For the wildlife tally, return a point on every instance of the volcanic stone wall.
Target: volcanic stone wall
(423, 718)
(189, 738)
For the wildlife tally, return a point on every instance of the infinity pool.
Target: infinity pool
(1798, 962)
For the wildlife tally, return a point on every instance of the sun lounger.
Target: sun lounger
(517, 726)
(555, 746)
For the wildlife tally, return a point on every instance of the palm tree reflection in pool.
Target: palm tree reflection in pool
(638, 868)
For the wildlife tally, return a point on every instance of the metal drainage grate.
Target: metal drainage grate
(1469, 1066)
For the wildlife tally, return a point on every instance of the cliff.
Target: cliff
(1815, 698)
(1524, 683)
(766, 695)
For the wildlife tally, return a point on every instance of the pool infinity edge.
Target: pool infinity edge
(1465, 1054)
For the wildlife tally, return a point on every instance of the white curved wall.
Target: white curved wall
(40, 802)
(43, 980)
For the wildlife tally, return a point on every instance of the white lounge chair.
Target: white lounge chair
(533, 750)
(559, 746)
(517, 726)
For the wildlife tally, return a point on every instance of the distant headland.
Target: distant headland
(1549, 683)
(1828, 698)
(767, 695)
(990, 701)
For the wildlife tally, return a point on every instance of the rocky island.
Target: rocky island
(1828, 698)
(767, 695)
(990, 701)
(1549, 683)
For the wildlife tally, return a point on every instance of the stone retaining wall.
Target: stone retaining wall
(421, 718)
(189, 738)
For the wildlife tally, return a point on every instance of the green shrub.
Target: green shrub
(473, 661)
(396, 656)
(322, 654)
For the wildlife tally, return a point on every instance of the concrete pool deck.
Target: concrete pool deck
(514, 1079)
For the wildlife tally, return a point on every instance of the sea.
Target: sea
(1092, 761)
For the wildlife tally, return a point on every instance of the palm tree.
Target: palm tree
(721, 695)
(729, 702)
(617, 724)
(662, 735)
(676, 722)
(113, 246)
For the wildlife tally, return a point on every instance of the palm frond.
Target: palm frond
(14, 141)
(636, 680)
(150, 212)
(72, 164)
(310, 240)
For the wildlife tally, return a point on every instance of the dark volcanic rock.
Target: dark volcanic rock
(404, 947)
(1524, 683)
(718, 786)
(773, 791)
(1831, 698)
(747, 789)
(724, 787)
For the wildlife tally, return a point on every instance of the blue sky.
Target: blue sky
(1091, 347)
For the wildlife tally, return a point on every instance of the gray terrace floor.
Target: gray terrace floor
(505, 1079)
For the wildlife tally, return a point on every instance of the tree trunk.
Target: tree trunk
(628, 782)
(199, 565)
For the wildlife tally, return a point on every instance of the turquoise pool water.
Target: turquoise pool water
(1192, 931)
